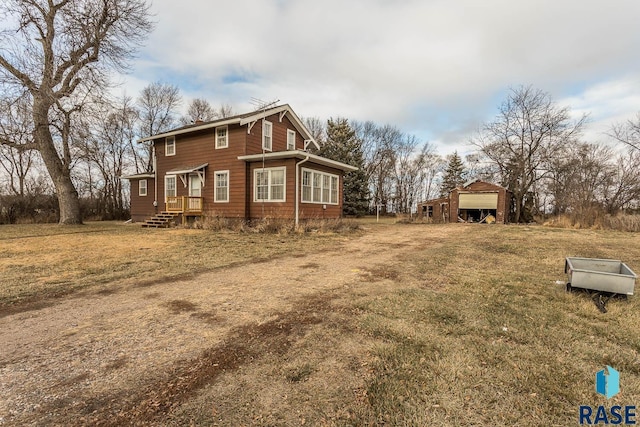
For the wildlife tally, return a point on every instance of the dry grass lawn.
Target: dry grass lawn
(414, 325)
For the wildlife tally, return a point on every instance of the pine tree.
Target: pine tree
(454, 175)
(342, 145)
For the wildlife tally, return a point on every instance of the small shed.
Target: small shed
(475, 201)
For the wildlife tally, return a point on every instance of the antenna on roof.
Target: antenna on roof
(262, 105)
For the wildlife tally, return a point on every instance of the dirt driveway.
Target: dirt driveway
(146, 354)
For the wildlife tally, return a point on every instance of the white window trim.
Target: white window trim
(142, 187)
(175, 179)
(226, 145)
(266, 124)
(291, 133)
(215, 186)
(322, 174)
(255, 184)
(189, 178)
(167, 145)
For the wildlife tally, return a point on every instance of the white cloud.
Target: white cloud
(434, 68)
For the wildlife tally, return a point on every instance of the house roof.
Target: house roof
(297, 154)
(470, 183)
(242, 120)
(187, 169)
(139, 176)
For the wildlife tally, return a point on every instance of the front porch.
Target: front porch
(186, 205)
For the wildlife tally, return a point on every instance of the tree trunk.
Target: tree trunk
(59, 172)
(519, 202)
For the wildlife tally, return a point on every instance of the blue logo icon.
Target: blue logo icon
(608, 385)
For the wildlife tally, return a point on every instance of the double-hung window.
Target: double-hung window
(142, 187)
(291, 140)
(170, 146)
(267, 140)
(270, 185)
(222, 137)
(319, 187)
(221, 186)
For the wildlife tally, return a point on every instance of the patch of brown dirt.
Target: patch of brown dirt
(124, 361)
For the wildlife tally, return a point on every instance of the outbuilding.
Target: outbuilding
(475, 201)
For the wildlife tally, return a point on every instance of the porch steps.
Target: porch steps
(160, 220)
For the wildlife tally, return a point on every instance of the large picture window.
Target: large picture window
(319, 187)
(270, 185)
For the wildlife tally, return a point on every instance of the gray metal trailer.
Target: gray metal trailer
(604, 275)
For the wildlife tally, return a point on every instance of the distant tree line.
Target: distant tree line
(533, 147)
(100, 145)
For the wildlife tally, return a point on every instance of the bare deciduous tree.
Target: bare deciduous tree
(109, 148)
(199, 110)
(157, 104)
(15, 126)
(224, 111)
(628, 133)
(316, 127)
(527, 131)
(624, 185)
(57, 49)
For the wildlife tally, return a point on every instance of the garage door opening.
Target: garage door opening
(477, 207)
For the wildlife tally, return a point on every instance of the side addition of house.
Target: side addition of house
(249, 166)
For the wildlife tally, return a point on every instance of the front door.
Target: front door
(195, 186)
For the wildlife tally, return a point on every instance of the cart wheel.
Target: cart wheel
(569, 287)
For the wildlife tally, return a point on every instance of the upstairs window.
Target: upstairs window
(222, 137)
(291, 140)
(267, 129)
(170, 146)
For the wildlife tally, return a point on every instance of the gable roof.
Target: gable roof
(475, 181)
(242, 120)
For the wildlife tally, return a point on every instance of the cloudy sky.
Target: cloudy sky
(435, 69)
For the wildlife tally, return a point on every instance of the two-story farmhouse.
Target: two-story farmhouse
(249, 166)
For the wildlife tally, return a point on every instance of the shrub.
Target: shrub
(596, 220)
(274, 225)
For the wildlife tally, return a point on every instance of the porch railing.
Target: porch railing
(184, 204)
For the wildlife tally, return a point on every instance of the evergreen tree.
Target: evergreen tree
(342, 145)
(454, 174)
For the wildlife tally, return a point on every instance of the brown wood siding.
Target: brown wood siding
(316, 210)
(440, 210)
(142, 206)
(196, 148)
(199, 148)
(278, 135)
(502, 211)
(287, 209)
(284, 209)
